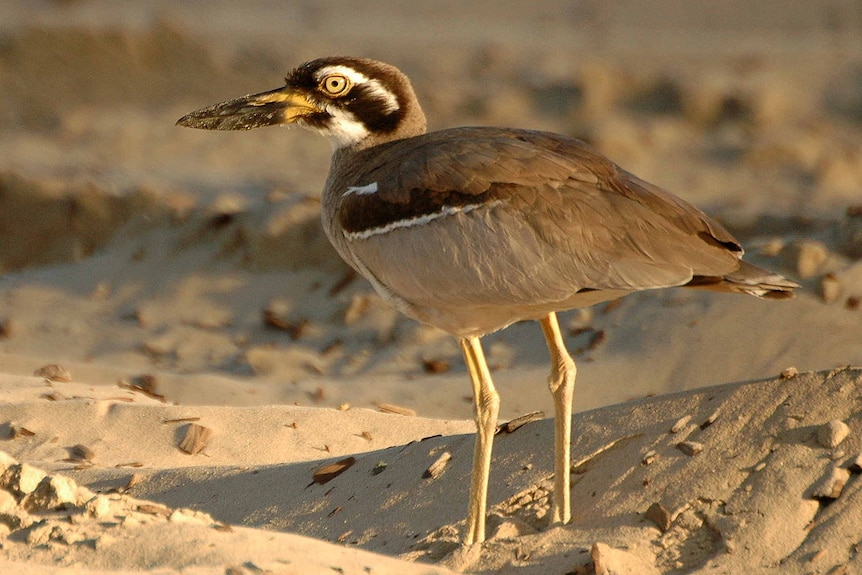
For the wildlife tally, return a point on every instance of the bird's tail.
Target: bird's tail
(750, 279)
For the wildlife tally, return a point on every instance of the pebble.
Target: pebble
(22, 478)
(690, 448)
(811, 255)
(99, 506)
(51, 493)
(658, 514)
(680, 424)
(830, 288)
(711, 419)
(831, 484)
(608, 561)
(831, 434)
(789, 372)
(512, 528)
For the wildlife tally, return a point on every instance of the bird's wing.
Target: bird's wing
(534, 215)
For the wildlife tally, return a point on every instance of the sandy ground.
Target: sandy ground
(181, 279)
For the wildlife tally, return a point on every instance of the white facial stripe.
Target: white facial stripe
(362, 190)
(417, 221)
(356, 78)
(344, 129)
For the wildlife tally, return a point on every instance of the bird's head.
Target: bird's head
(355, 102)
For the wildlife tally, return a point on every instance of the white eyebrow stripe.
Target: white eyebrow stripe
(417, 221)
(361, 190)
(357, 78)
(351, 74)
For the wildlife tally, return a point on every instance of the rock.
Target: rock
(21, 478)
(790, 372)
(99, 506)
(6, 461)
(690, 448)
(831, 484)
(830, 288)
(810, 257)
(52, 492)
(610, 561)
(831, 434)
(658, 514)
(681, 424)
(511, 527)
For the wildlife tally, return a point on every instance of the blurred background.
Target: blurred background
(134, 250)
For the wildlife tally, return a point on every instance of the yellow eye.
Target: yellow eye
(335, 85)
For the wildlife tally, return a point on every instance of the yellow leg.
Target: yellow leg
(487, 407)
(562, 384)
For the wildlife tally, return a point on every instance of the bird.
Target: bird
(471, 229)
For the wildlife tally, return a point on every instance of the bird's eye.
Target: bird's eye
(335, 85)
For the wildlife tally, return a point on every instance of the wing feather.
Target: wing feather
(556, 217)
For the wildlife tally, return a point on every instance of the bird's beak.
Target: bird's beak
(279, 106)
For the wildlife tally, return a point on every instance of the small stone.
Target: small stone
(99, 506)
(610, 561)
(511, 528)
(15, 518)
(680, 424)
(711, 419)
(53, 372)
(830, 288)
(830, 486)
(22, 478)
(40, 534)
(789, 372)
(831, 434)
(855, 464)
(67, 535)
(811, 255)
(649, 457)
(690, 448)
(8, 503)
(658, 514)
(51, 493)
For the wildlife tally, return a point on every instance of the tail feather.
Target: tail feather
(749, 279)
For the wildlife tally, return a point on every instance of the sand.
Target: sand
(180, 279)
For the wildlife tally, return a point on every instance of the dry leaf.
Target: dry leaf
(332, 470)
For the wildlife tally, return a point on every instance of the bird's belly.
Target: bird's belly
(466, 279)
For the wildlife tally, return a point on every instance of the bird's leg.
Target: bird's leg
(562, 384)
(487, 403)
